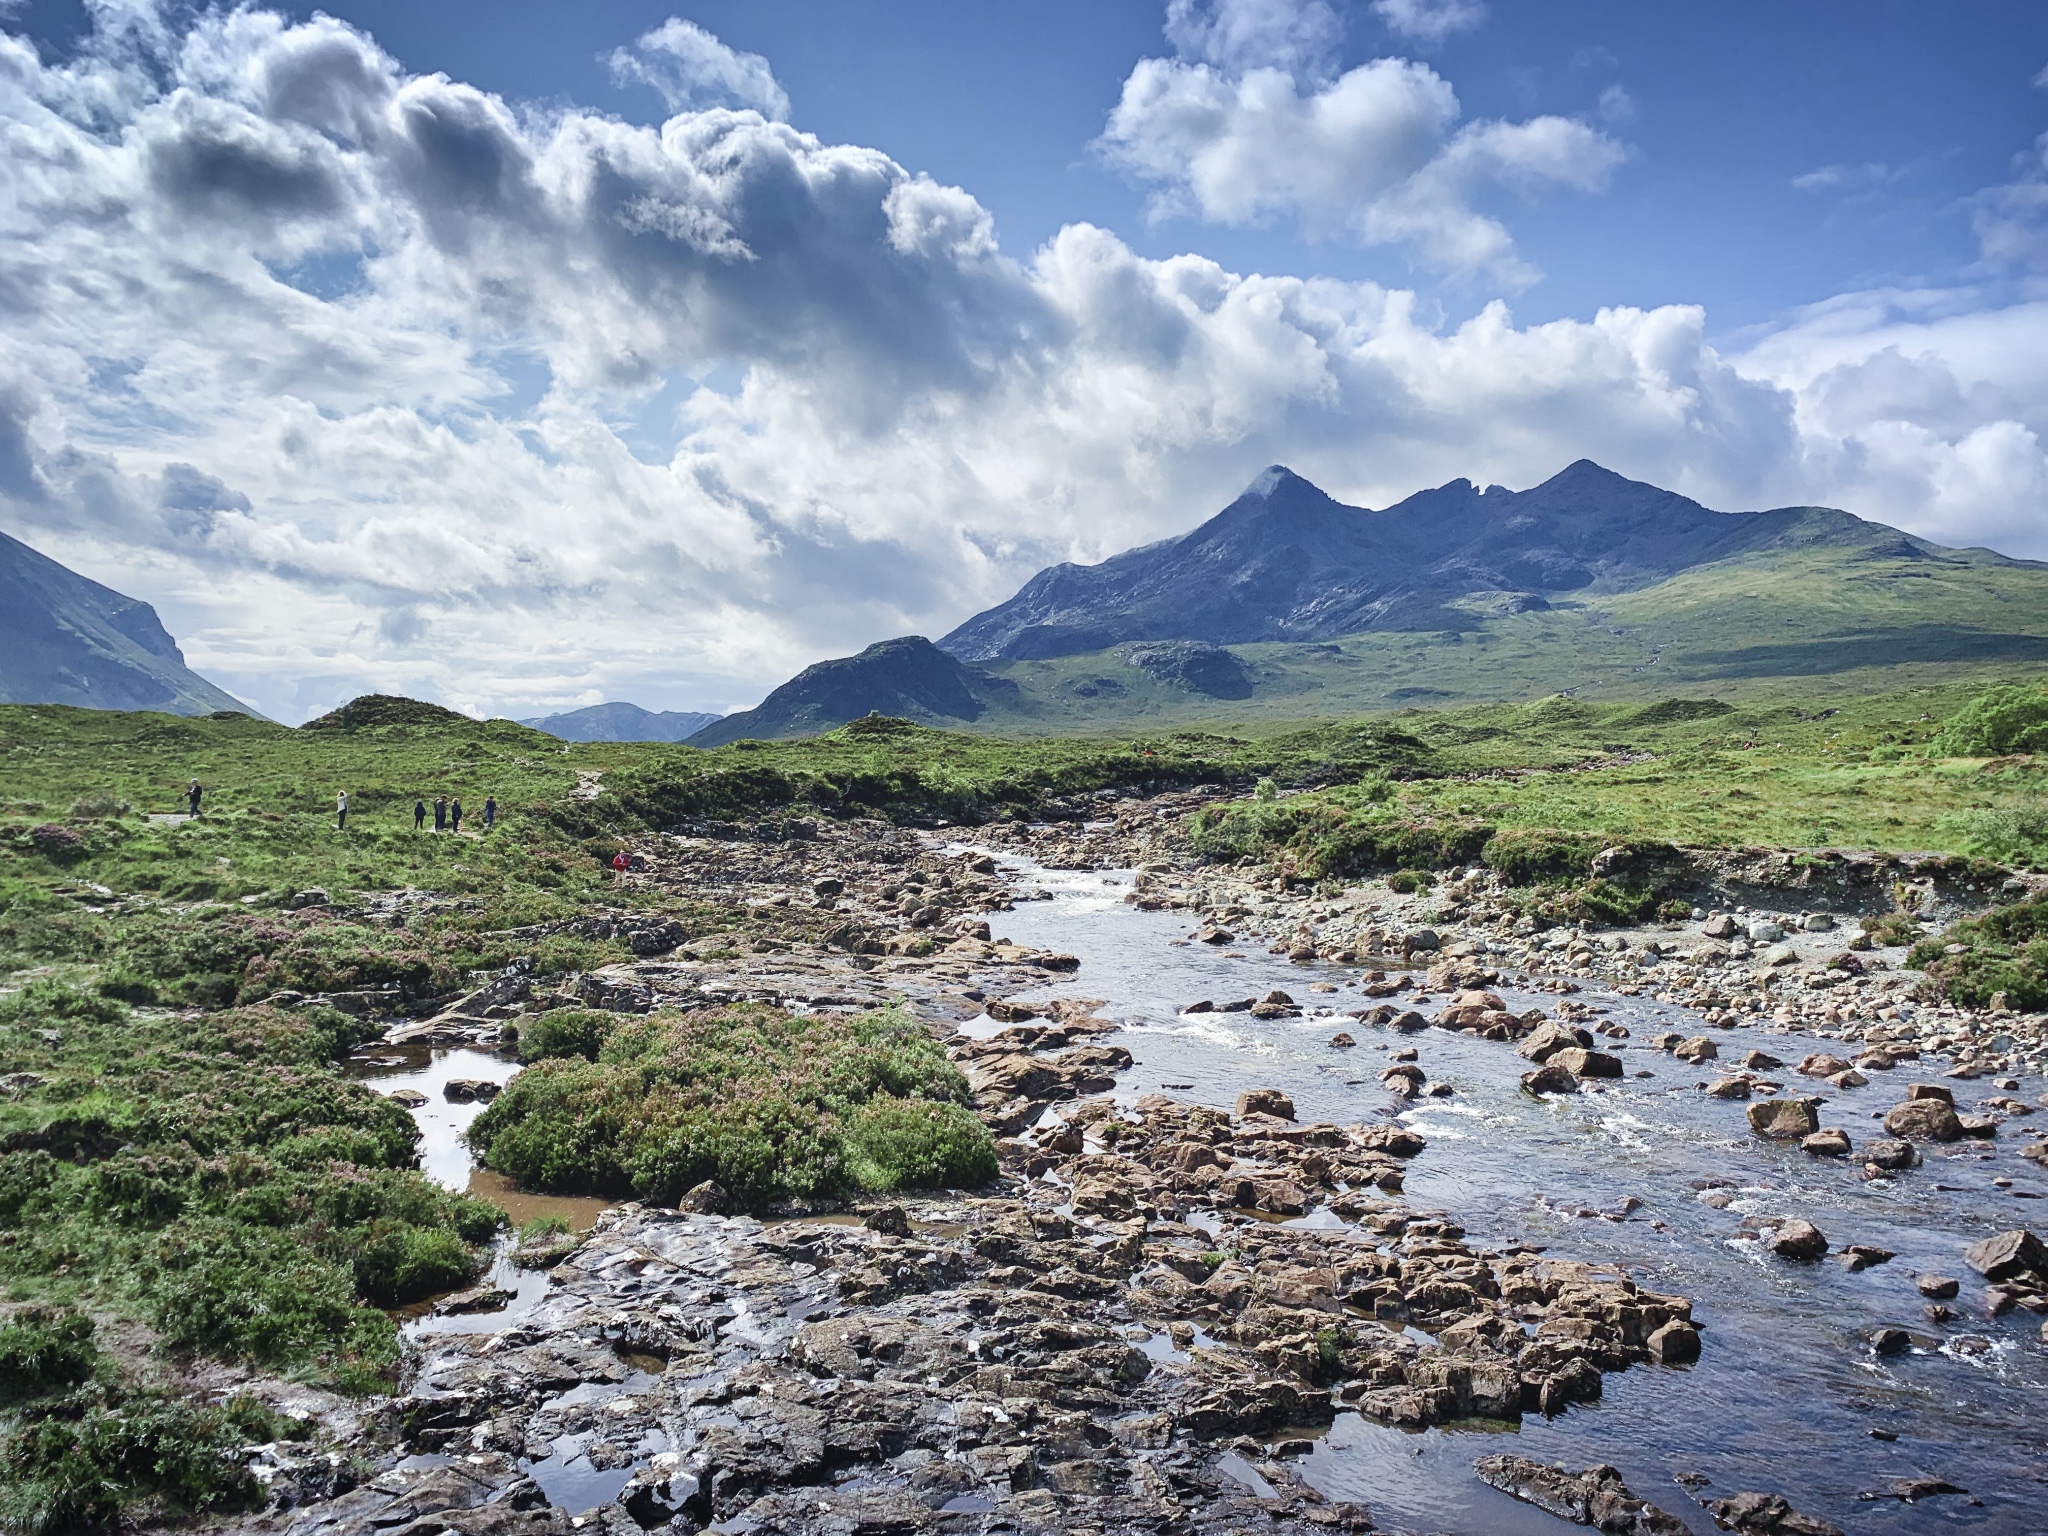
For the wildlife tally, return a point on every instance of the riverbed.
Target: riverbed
(1650, 1175)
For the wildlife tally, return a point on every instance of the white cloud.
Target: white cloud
(694, 70)
(1429, 21)
(351, 370)
(1246, 132)
(1298, 36)
(2012, 221)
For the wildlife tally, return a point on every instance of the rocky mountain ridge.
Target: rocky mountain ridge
(67, 640)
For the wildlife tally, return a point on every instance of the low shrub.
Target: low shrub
(1893, 929)
(1408, 881)
(44, 1352)
(1531, 856)
(565, 1032)
(74, 1468)
(2005, 951)
(768, 1105)
(897, 1144)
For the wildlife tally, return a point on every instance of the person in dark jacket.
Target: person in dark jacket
(419, 814)
(440, 813)
(192, 796)
(455, 816)
(490, 812)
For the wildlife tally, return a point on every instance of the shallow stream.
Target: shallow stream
(1789, 1393)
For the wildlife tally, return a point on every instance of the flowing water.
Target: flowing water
(1789, 1393)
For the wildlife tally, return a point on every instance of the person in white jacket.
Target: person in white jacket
(341, 810)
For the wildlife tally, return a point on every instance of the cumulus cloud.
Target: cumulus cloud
(1242, 127)
(1430, 21)
(373, 379)
(693, 70)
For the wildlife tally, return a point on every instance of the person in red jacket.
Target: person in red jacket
(620, 864)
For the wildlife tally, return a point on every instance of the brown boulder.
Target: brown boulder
(1784, 1119)
(1799, 1239)
(1924, 1120)
(1265, 1101)
(2007, 1255)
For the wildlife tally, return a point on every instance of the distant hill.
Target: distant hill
(1285, 562)
(909, 678)
(623, 722)
(67, 640)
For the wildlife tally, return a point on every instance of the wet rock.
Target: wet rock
(890, 1220)
(1861, 1256)
(1924, 1120)
(1596, 1496)
(411, 1098)
(1931, 1091)
(1890, 1341)
(1547, 1039)
(1784, 1119)
(1759, 1061)
(2007, 1256)
(481, 1298)
(1342, 1040)
(1265, 1101)
(1891, 1156)
(470, 1090)
(1696, 1050)
(1797, 1239)
(1821, 1064)
(1549, 1079)
(1584, 1063)
(1729, 1088)
(1676, 1343)
(1765, 1514)
(1938, 1287)
(1832, 1142)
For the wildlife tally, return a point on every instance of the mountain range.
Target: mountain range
(1289, 604)
(623, 722)
(67, 640)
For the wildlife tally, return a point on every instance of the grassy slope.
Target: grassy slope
(1828, 623)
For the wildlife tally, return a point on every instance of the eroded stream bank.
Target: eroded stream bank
(1115, 1343)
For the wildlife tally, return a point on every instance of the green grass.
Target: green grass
(767, 1105)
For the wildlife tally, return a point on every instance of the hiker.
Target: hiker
(620, 864)
(455, 817)
(419, 814)
(341, 810)
(440, 813)
(490, 812)
(192, 795)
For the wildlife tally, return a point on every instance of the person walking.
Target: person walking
(192, 797)
(341, 810)
(455, 817)
(620, 864)
(490, 812)
(419, 814)
(440, 813)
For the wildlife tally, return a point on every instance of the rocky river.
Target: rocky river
(1307, 1221)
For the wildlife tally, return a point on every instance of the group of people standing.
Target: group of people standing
(448, 814)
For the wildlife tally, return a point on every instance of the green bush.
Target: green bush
(1998, 721)
(73, 1471)
(2004, 951)
(769, 1105)
(897, 1144)
(1531, 856)
(2016, 836)
(44, 1352)
(565, 1032)
(1893, 929)
(1408, 881)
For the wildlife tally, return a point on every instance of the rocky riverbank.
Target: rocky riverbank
(1150, 1320)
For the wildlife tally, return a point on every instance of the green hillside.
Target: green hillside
(1827, 621)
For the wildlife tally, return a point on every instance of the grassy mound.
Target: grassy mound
(768, 1105)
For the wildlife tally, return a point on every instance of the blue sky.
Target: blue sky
(655, 351)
